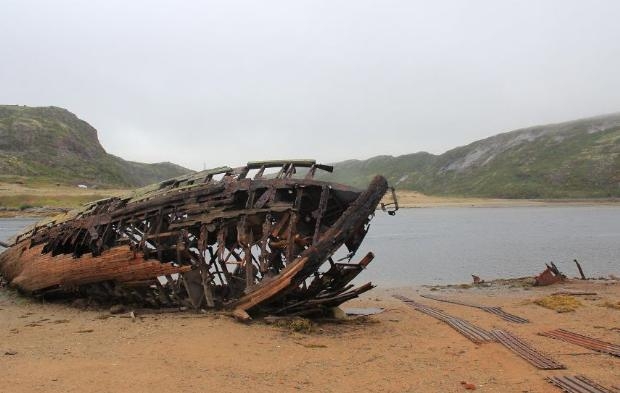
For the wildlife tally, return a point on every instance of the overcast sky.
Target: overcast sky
(214, 83)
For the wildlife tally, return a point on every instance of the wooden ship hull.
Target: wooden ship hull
(222, 239)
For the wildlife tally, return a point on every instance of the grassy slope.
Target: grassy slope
(579, 159)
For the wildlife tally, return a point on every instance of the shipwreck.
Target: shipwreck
(228, 238)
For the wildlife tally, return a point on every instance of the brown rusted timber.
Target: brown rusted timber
(579, 384)
(583, 276)
(221, 238)
(583, 341)
(523, 349)
(117, 264)
(474, 333)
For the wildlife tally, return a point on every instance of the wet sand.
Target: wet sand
(54, 347)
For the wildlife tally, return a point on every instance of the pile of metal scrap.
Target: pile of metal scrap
(474, 333)
(526, 351)
(579, 384)
(550, 275)
(490, 309)
(583, 341)
(224, 238)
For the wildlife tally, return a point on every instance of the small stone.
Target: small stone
(10, 353)
(117, 309)
(80, 303)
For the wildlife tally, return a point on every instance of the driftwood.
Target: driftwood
(218, 239)
(583, 276)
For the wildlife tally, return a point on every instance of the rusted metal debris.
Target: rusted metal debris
(523, 349)
(579, 384)
(574, 293)
(550, 275)
(224, 238)
(490, 309)
(583, 341)
(474, 333)
(583, 276)
(477, 280)
(363, 311)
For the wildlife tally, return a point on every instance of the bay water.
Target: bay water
(443, 245)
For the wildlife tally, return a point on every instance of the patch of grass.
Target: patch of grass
(299, 325)
(559, 303)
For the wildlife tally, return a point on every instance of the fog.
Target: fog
(213, 83)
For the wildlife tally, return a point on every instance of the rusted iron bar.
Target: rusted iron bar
(505, 315)
(490, 309)
(583, 341)
(474, 333)
(392, 207)
(523, 349)
(574, 293)
(578, 384)
(583, 277)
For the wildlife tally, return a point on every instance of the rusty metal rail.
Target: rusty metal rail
(523, 349)
(474, 333)
(493, 310)
(578, 384)
(583, 341)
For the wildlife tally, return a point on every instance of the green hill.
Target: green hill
(577, 159)
(51, 144)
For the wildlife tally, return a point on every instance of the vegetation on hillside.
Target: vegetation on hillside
(50, 144)
(578, 159)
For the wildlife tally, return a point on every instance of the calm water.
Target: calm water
(9, 226)
(446, 245)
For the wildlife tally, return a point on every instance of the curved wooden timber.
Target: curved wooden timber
(222, 238)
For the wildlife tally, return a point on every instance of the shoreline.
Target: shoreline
(412, 199)
(45, 211)
(21, 200)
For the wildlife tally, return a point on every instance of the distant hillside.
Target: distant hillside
(576, 159)
(52, 144)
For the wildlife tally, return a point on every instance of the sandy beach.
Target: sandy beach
(56, 347)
